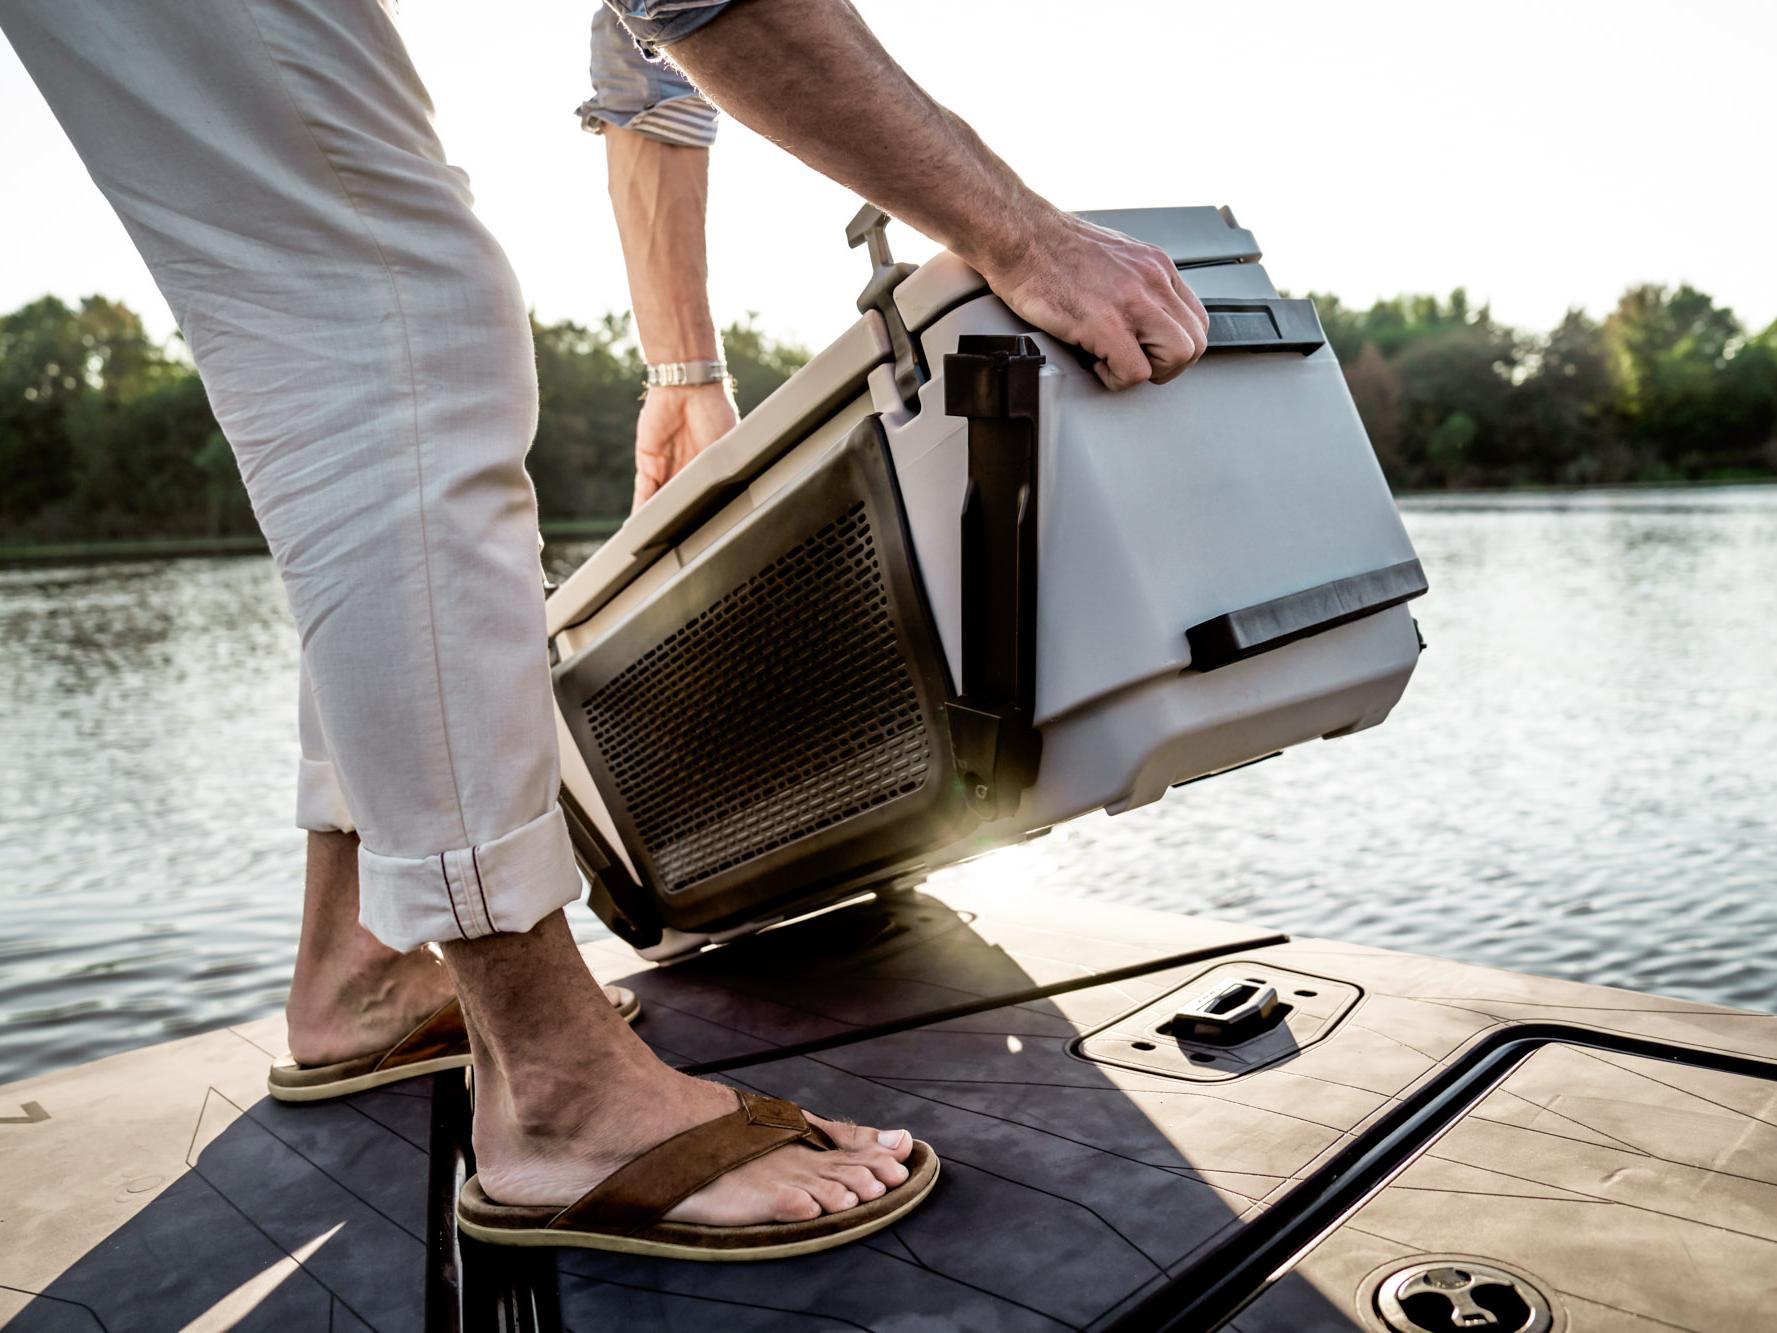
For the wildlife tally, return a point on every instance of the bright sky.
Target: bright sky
(1540, 153)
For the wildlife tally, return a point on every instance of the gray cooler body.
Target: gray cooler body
(942, 591)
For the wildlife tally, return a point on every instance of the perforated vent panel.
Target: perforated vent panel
(784, 708)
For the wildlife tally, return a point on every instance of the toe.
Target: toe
(832, 1195)
(790, 1203)
(888, 1171)
(897, 1143)
(860, 1180)
(879, 1162)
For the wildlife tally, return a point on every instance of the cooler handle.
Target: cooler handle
(1271, 324)
(1237, 635)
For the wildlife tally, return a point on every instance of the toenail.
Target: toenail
(890, 1138)
(850, 1200)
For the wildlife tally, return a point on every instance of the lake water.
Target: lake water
(1581, 780)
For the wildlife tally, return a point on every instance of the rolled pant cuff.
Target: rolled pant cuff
(320, 801)
(504, 886)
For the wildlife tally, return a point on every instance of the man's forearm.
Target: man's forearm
(659, 193)
(837, 100)
(810, 76)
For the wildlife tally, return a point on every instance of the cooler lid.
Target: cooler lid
(1192, 236)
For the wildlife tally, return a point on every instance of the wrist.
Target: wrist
(723, 386)
(685, 374)
(694, 346)
(1001, 245)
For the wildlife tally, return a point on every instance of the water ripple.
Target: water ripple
(1579, 782)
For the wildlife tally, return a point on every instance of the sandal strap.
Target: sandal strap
(639, 1193)
(441, 1034)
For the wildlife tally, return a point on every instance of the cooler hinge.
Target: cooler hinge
(992, 380)
(870, 229)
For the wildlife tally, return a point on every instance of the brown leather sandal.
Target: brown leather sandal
(440, 1042)
(624, 1213)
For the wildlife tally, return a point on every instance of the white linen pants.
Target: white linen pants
(368, 354)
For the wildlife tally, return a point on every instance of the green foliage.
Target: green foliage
(758, 363)
(105, 434)
(1668, 388)
(587, 387)
(1694, 388)
(99, 427)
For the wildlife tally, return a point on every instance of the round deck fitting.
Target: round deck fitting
(1455, 1295)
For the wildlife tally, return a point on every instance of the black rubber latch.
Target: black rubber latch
(870, 229)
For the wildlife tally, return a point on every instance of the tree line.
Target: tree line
(105, 433)
(1668, 387)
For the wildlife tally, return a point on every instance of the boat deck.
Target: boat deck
(1617, 1151)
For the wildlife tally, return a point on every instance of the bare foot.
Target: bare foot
(351, 994)
(351, 1005)
(566, 1094)
(366, 999)
(790, 1185)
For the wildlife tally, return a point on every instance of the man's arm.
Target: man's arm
(659, 192)
(809, 75)
(657, 133)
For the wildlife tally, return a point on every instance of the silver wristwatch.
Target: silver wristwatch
(671, 373)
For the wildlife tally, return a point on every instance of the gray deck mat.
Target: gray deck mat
(163, 1187)
(283, 1217)
(160, 1187)
(1074, 1189)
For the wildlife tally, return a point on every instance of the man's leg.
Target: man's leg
(367, 353)
(561, 1104)
(350, 993)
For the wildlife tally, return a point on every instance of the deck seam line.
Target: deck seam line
(1685, 1092)
(269, 1239)
(1024, 1184)
(871, 1031)
(1634, 1314)
(326, 1174)
(1549, 1110)
(1127, 1092)
(1551, 1134)
(718, 1300)
(59, 1300)
(924, 1267)
(1618, 1203)
(1619, 1145)
(349, 1104)
(204, 1105)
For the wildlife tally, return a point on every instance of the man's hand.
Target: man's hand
(1121, 300)
(677, 423)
